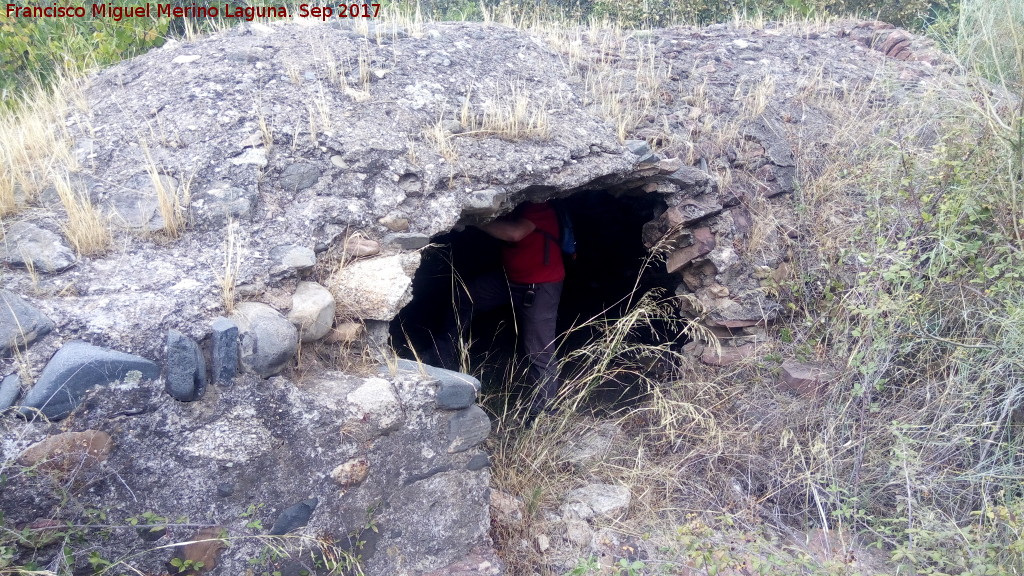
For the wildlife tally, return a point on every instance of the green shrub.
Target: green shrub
(38, 48)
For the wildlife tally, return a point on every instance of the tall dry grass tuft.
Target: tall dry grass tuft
(34, 142)
(86, 228)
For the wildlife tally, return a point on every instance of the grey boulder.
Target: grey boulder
(268, 341)
(73, 371)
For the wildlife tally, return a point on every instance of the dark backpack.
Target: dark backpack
(567, 238)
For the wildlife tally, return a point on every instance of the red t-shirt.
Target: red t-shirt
(524, 260)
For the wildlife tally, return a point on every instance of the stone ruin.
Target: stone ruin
(318, 163)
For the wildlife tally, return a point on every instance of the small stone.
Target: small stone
(224, 355)
(506, 508)
(27, 245)
(185, 378)
(299, 177)
(292, 257)
(351, 473)
(543, 543)
(578, 532)
(294, 517)
(395, 223)
(669, 165)
(215, 207)
(73, 371)
(202, 549)
(10, 387)
(638, 147)
(268, 341)
(592, 446)
(455, 395)
(478, 462)
(312, 311)
(339, 161)
(185, 59)
(483, 202)
(345, 333)
(442, 375)
(407, 240)
(359, 247)
(20, 323)
(68, 451)
(467, 428)
(703, 243)
(225, 489)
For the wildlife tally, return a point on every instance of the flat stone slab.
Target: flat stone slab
(442, 375)
(20, 323)
(75, 369)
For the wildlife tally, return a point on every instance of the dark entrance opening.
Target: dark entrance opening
(611, 271)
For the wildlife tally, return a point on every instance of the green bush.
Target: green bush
(38, 48)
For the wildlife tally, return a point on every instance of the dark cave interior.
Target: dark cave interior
(612, 268)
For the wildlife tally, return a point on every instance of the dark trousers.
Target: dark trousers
(535, 324)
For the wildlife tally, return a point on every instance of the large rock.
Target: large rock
(20, 323)
(268, 341)
(75, 369)
(312, 311)
(27, 245)
(185, 377)
(376, 288)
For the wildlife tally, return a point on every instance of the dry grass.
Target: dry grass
(34, 143)
(439, 137)
(173, 204)
(511, 114)
(85, 228)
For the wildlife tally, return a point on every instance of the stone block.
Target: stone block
(185, 374)
(312, 311)
(224, 355)
(804, 379)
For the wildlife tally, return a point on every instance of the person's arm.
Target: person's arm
(509, 230)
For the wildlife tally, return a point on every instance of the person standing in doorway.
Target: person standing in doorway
(531, 279)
